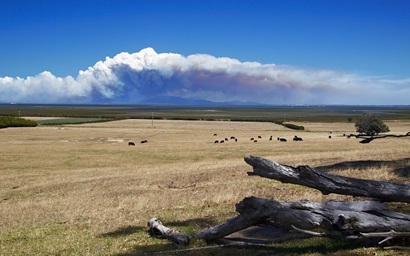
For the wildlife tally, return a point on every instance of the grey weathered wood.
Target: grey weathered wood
(160, 231)
(328, 183)
(363, 216)
(340, 216)
(231, 226)
(387, 235)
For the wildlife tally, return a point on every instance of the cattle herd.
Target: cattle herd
(255, 139)
(131, 143)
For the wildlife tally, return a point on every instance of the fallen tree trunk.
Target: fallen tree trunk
(346, 218)
(334, 219)
(328, 183)
(370, 138)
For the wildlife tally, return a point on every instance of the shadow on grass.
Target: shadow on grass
(123, 231)
(199, 247)
(128, 230)
(306, 246)
(400, 167)
(403, 171)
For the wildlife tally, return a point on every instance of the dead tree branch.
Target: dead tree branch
(328, 183)
(369, 138)
(158, 230)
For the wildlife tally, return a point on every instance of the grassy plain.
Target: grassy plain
(81, 190)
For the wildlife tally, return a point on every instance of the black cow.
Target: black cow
(217, 141)
(282, 139)
(131, 143)
(296, 138)
(144, 141)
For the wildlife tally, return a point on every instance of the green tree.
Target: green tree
(369, 124)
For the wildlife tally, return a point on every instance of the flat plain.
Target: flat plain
(81, 190)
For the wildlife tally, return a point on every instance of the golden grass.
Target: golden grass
(81, 190)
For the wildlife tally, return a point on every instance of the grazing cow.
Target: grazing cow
(236, 140)
(252, 138)
(259, 137)
(255, 141)
(131, 143)
(232, 137)
(217, 141)
(222, 141)
(282, 140)
(296, 138)
(144, 141)
(215, 134)
(226, 139)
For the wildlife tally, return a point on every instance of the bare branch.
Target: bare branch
(328, 183)
(158, 230)
(369, 138)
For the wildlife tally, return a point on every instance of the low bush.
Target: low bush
(11, 121)
(293, 126)
(290, 126)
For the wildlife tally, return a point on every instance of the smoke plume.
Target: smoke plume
(135, 78)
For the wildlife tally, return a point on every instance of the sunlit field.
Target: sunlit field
(81, 190)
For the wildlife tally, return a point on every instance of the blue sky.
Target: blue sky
(301, 48)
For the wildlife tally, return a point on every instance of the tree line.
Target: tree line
(368, 124)
(11, 121)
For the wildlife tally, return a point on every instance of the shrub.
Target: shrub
(10, 121)
(369, 124)
(294, 126)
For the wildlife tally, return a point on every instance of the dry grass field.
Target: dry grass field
(81, 190)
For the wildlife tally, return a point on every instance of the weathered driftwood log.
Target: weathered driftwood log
(346, 218)
(158, 230)
(328, 183)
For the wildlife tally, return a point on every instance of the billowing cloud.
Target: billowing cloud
(137, 77)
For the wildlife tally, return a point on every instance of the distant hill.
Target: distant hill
(171, 100)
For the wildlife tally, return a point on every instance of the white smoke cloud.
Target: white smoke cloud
(134, 78)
